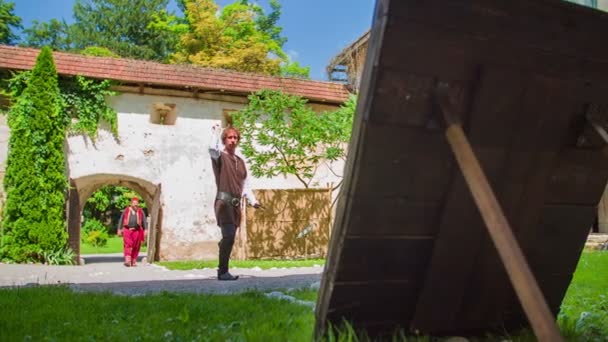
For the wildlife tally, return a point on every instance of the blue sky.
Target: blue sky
(316, 29)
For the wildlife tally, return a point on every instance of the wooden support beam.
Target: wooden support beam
(523, 281)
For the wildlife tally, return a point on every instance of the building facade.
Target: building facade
(165, 116)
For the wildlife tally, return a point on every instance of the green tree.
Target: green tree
(54, 34)
(242, 37)
(281, 134)
(294, 69)
(123, 27)
(8, 21)
(35, 173)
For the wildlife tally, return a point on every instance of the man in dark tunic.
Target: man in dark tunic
(231, 181)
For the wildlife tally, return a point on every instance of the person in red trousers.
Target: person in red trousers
(132, 226)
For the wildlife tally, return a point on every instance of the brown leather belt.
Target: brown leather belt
(229, 198)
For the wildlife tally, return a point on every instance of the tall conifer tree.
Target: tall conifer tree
(35, 174)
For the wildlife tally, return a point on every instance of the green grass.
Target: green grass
(585, 306)
(114, 245)
(304, 294)
(263, 264)
(58, 314)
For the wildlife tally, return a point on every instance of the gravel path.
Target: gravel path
(108, 274)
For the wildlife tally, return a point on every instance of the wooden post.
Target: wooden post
(523, 281)
(240, 250)
(73, 217)
(154, 225)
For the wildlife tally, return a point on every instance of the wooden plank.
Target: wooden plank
(383, 259)
(522, 190)
(412, 93)
(579, 178)
(520, 143)
(74, 215)
(554, 251)
(368, 305)
(511, 255)
(461, 231)
(549, 25)
(417, 168)
(395, 216)
(351, 173)
(155, 226)
(522, 279)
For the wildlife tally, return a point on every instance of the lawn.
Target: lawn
(114, 245)
(585, 306)
(57, 313)
(262, 264)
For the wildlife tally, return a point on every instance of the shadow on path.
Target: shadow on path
(105, 258)
(201, 285)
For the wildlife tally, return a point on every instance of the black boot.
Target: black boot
(226, 276)
(225, 250)
(226, 244)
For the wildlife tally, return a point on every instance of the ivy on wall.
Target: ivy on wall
(83, 102)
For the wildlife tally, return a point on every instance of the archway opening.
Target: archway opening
(101, 216)
(82, 206)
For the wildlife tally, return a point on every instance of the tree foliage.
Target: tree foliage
(54, 34)
(123, 27)
(35, 173)
(8, 22)
(281, 134)
(242, 38)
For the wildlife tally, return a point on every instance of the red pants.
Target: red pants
(132, 240)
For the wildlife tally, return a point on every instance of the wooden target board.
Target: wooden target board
(529, 81)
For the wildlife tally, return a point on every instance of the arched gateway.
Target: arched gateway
(82, 188)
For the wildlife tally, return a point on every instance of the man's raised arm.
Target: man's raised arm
(214, 143)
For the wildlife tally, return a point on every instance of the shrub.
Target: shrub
(94, 233)
(97, 238)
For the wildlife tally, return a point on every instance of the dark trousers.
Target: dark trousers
(228, 234)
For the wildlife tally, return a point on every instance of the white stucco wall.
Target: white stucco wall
(174, 156)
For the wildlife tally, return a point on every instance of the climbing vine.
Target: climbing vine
(83, 102)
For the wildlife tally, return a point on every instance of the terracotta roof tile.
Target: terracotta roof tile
(172, 75)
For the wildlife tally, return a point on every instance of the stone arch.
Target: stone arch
(82, 188)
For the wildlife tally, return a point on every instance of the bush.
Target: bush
(97, 238)
(94, 233)
(90, 225)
